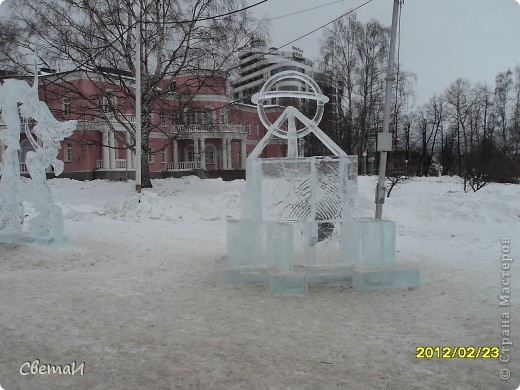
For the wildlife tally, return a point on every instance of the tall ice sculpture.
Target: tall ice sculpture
(23, 112)
(299, 224)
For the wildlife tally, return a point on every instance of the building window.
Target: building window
(162, 118)
(150, 158)
(164, 156)
(190, 153)
(65, 106)
(209, 153)
(176, 117)
(248, 128)
(223, 115)
(190, 116)
(67, 155)
(207, 116)
(257, 131)
(109, 102)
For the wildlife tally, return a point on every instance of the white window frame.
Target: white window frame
(248, 128)
(190, 116)
(176, 116)
(109, 102)
(67, 152)
(164, 156)
(162, 118)
(208, 117)
(210, 151)
(190, 153)
(65, 106)
(257, 129)
(223, 117)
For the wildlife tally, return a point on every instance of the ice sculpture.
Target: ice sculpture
(23, 111)
(299, 223)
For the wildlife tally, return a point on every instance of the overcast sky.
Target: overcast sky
(441, 40)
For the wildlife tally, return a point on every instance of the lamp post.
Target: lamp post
(406, 166)
(384, 141)
(365, 162)
(138, 183)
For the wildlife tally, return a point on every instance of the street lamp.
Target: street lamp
(365, 162)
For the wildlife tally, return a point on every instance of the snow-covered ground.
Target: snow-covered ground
(135, 296)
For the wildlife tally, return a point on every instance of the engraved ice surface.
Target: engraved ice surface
(22, 111)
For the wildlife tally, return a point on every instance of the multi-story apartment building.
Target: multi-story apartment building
(202, 133)
(257, 64)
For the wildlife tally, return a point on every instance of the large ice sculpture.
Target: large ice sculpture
(23, 111)
(299, 223)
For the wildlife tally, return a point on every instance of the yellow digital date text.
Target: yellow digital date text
(457, 352)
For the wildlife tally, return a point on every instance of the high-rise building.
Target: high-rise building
(257, 64)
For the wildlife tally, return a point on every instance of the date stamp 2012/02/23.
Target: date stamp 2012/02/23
(457, 352)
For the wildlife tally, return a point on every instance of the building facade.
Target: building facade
(192, 130)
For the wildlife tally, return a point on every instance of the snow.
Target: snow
(135, 296)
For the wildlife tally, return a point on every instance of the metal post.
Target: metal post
(380, 189)
(138, 107)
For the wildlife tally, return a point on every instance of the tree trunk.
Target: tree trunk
(145, 168)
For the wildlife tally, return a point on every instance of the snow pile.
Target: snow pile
(165, 204)
(138, 206)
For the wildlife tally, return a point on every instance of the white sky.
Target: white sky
(440, 40)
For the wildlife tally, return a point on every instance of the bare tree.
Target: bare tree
(515, 117)
(431, 120)
(355, 54)
(503, 86)
(338, 49)
(188, 37)
(395, 180)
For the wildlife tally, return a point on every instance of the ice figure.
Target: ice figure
(299, 223)
(20, 105)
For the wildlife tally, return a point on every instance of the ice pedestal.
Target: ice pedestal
(276, 255)
(254, 243)
(368, 242)
(299, 229)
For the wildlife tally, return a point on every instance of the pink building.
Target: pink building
(195, 130)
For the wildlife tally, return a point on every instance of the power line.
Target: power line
(208, 17)
(319, 28)
(305, 10)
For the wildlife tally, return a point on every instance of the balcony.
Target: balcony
(120, 165)
(208, 131)
(182, 166)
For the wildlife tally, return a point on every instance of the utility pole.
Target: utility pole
(384, 139)
(138, 106)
